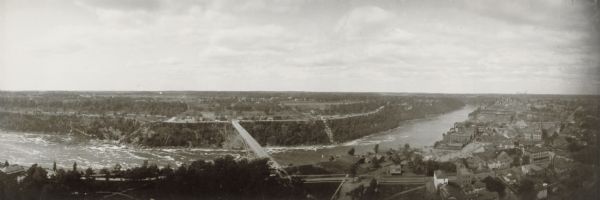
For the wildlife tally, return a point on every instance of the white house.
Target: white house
(439, 178)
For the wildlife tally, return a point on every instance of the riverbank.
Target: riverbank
(417, 133)
(27, 149)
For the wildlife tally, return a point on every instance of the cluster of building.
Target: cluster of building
(457, 137)
(515, 147)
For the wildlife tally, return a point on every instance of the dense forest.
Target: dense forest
(100, 105)
(123, 129)
(101, 127)
(287, 132)
(124, 116)
(225, 178)
(182, 134)
(345, 129)
(351, 108)
(213, 134)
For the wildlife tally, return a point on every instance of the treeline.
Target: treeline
(225, 178)
(584, 136)
(230, 179)
(287, 132)
(352, 108)
(36, 123)
(98, 105)
(123, 129)
(238, 105)
(215, 134)
(389, 117)
(183, 134)
(101, 127)
(345, 129)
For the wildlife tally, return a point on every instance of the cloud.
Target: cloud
(124, 5)
(363, 21)
(464, 45)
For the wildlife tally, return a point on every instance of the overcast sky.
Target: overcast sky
(450, 46)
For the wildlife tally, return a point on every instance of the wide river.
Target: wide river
(27, 149)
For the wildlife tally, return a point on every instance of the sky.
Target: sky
(430, 46)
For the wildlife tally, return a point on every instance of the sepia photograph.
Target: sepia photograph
(299, 99)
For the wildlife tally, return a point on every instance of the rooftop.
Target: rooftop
(536, 149)
(442, 174)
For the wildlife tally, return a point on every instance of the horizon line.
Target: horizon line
(307, 91)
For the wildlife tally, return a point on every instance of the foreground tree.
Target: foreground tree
(351, 151)
(494, 185)
(371, 191)
(88, 173)
(34, 181)
(352, 171)
(526, 189)
(106, 173)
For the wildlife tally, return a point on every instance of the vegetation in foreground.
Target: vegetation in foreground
(225, 178)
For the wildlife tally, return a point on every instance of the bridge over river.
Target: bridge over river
(342, 179)
(257, 149)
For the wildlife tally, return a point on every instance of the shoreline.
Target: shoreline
(285, 153)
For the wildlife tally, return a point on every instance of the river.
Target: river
(44, 149)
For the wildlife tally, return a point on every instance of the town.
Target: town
(509, 147)
(299, 99)
(521, 148)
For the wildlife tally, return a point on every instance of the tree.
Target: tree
(166, 171)
(6, 163)
(117, 168)
(145, 163)
(89, 172)
(406, 151)
(526, 189)
(376, 148)
(54, 166)
(106, 173)
(353, 170)
(375, 162)
(525, 160)
(351, 151)
(494, 185)
(555, 135)
(371, 191)
(545, 137)
(35, 179)
(153, 171)
(396, 159)
(516, 161)
(74, 166)
(544, 134)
